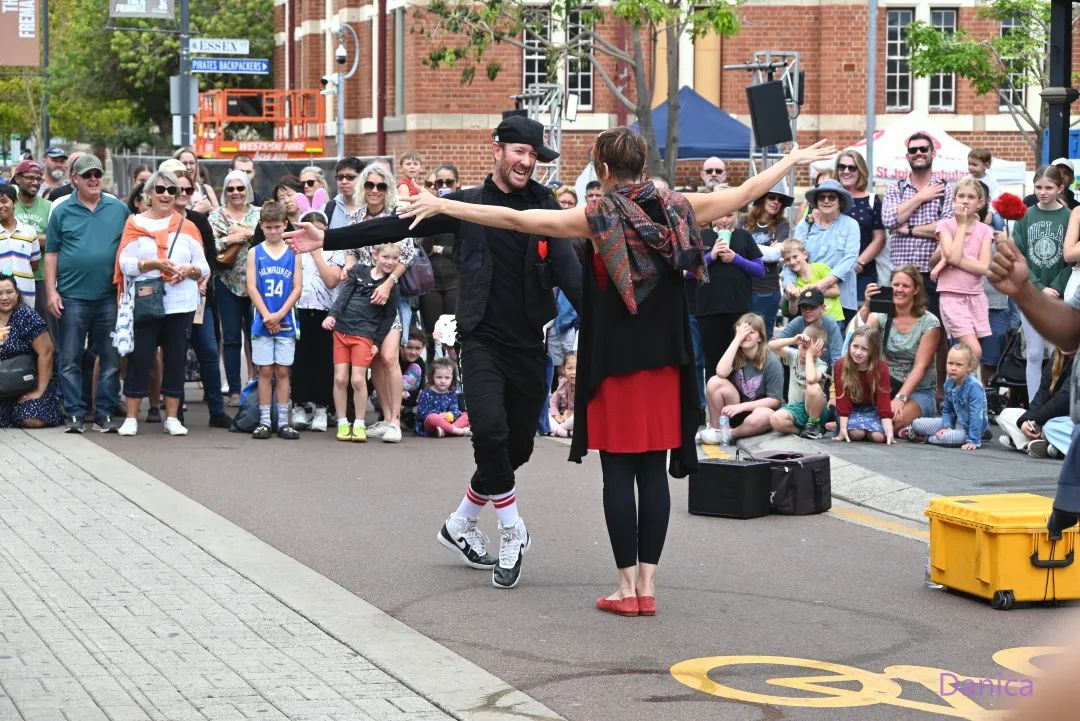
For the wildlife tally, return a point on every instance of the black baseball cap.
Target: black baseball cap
(519, 129)
(812, 298)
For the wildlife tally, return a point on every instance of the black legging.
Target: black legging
(637, 530)
(437, 302)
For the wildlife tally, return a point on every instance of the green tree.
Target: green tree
(464, 30)
(1009, 64)
(111, 87)
(21, 111)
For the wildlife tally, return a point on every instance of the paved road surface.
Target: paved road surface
(811, 587)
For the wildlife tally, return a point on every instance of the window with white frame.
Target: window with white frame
(577, 72)
(1015, 93)
(943, 85)
(897, 60)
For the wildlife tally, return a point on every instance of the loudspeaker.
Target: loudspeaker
(768, 114)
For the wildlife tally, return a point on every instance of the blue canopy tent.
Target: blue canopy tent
(704, 129)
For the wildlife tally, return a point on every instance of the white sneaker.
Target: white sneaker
(129, 427)
(462, 535)
(1006, 441)
(299, 419)
(376, 430)
(173, 427)
(709, 436)
(318, 423)
(391, 434)
(514, 541)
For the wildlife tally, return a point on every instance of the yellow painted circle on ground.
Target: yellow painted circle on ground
(874, 689)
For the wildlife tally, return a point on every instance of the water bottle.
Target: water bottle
(723, 427)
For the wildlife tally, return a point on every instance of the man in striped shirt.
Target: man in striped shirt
(20, 250)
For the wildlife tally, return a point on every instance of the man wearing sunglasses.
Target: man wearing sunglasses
(713, 174)
(505, 298)
(80, 252)
(911, 211)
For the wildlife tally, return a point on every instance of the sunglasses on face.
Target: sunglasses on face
(236, 189)
(917, 149)
(715, 171)
(166, 189)
(310, 183)
(772, 196)
(381, 187)
(444, 183)
(845, 168)
(187, 191)
(96, 174)
(828, 197)
(346, 176)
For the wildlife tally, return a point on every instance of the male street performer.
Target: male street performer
(504, 301)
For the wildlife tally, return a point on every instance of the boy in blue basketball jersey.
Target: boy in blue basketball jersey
(274, 284)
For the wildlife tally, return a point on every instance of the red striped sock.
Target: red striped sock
(506, 507)
(471, 504)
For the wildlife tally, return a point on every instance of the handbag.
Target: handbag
(227, 257)
(123, 334)
(149, 294)
(418, 278)
(18, 375)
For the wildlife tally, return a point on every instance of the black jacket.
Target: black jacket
(1050, 401)
(354, 312)
(473, 256)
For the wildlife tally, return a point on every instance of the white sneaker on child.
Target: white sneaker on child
(319, 422)
(299, 419)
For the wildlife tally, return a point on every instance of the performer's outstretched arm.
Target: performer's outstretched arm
(568, 223)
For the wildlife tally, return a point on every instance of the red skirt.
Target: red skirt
(637, 412)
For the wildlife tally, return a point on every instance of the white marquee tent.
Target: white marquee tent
(890, 159)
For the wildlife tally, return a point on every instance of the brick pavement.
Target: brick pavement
(106, 613)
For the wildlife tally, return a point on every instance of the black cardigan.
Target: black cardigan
(614, 342)
(1050, 402)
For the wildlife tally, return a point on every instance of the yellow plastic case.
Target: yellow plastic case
(996, 547)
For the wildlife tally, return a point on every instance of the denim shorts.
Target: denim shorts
(270, 350)
(927, 403)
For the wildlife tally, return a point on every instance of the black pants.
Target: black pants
(933, 300)
(504, 390)
(313, 367)
(637, 530)
(440, 301)
(717, 331)
(171, 333)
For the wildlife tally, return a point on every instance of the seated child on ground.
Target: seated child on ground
(963, 417)
(561, 406)
(806, 383)
(748, 386)
(412, 375)
(1027, 430)
(437, 411)
(809, 275)
(862, 384)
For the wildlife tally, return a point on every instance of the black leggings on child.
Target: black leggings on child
(637, 530)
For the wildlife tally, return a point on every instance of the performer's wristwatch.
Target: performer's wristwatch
(902, 397)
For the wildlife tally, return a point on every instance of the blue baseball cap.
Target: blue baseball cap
(55, 152)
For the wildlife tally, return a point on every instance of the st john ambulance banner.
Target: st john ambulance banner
(20, 28)
(161, 9)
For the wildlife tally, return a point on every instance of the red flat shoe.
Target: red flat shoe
(624, 607)
(646, 605)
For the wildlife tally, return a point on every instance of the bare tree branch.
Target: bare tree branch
(610, 83)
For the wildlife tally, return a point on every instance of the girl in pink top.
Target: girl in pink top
(964, 247)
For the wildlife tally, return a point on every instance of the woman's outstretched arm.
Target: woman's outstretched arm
(568, 223)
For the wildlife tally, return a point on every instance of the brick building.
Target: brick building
(431, 111)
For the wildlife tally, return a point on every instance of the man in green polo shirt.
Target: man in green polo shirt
(82, 240)
(34, 211)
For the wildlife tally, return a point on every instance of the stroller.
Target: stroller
(1011, 374)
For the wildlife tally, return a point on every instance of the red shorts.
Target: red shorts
(352, 349)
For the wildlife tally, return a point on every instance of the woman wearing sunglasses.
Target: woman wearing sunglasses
(313, 182)
(380, 198)
(865, 208)
(442, 299)
(204, 329)
(204, 199)
(769, 227)
(161, 243)
(234, 224)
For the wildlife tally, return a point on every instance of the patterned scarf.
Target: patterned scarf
(631, 244)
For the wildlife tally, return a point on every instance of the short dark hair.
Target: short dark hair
(242, 158)
(350, 163)
(920, 136)
(136, 194)
(10, 191)
(289, 181)
(443, 362)
(983, 155)
(592, 184)
(272, 212)
(449, 167)
(8, 277)
(623, 151)
(417, 334)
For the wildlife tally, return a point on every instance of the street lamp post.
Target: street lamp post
(340, 57)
